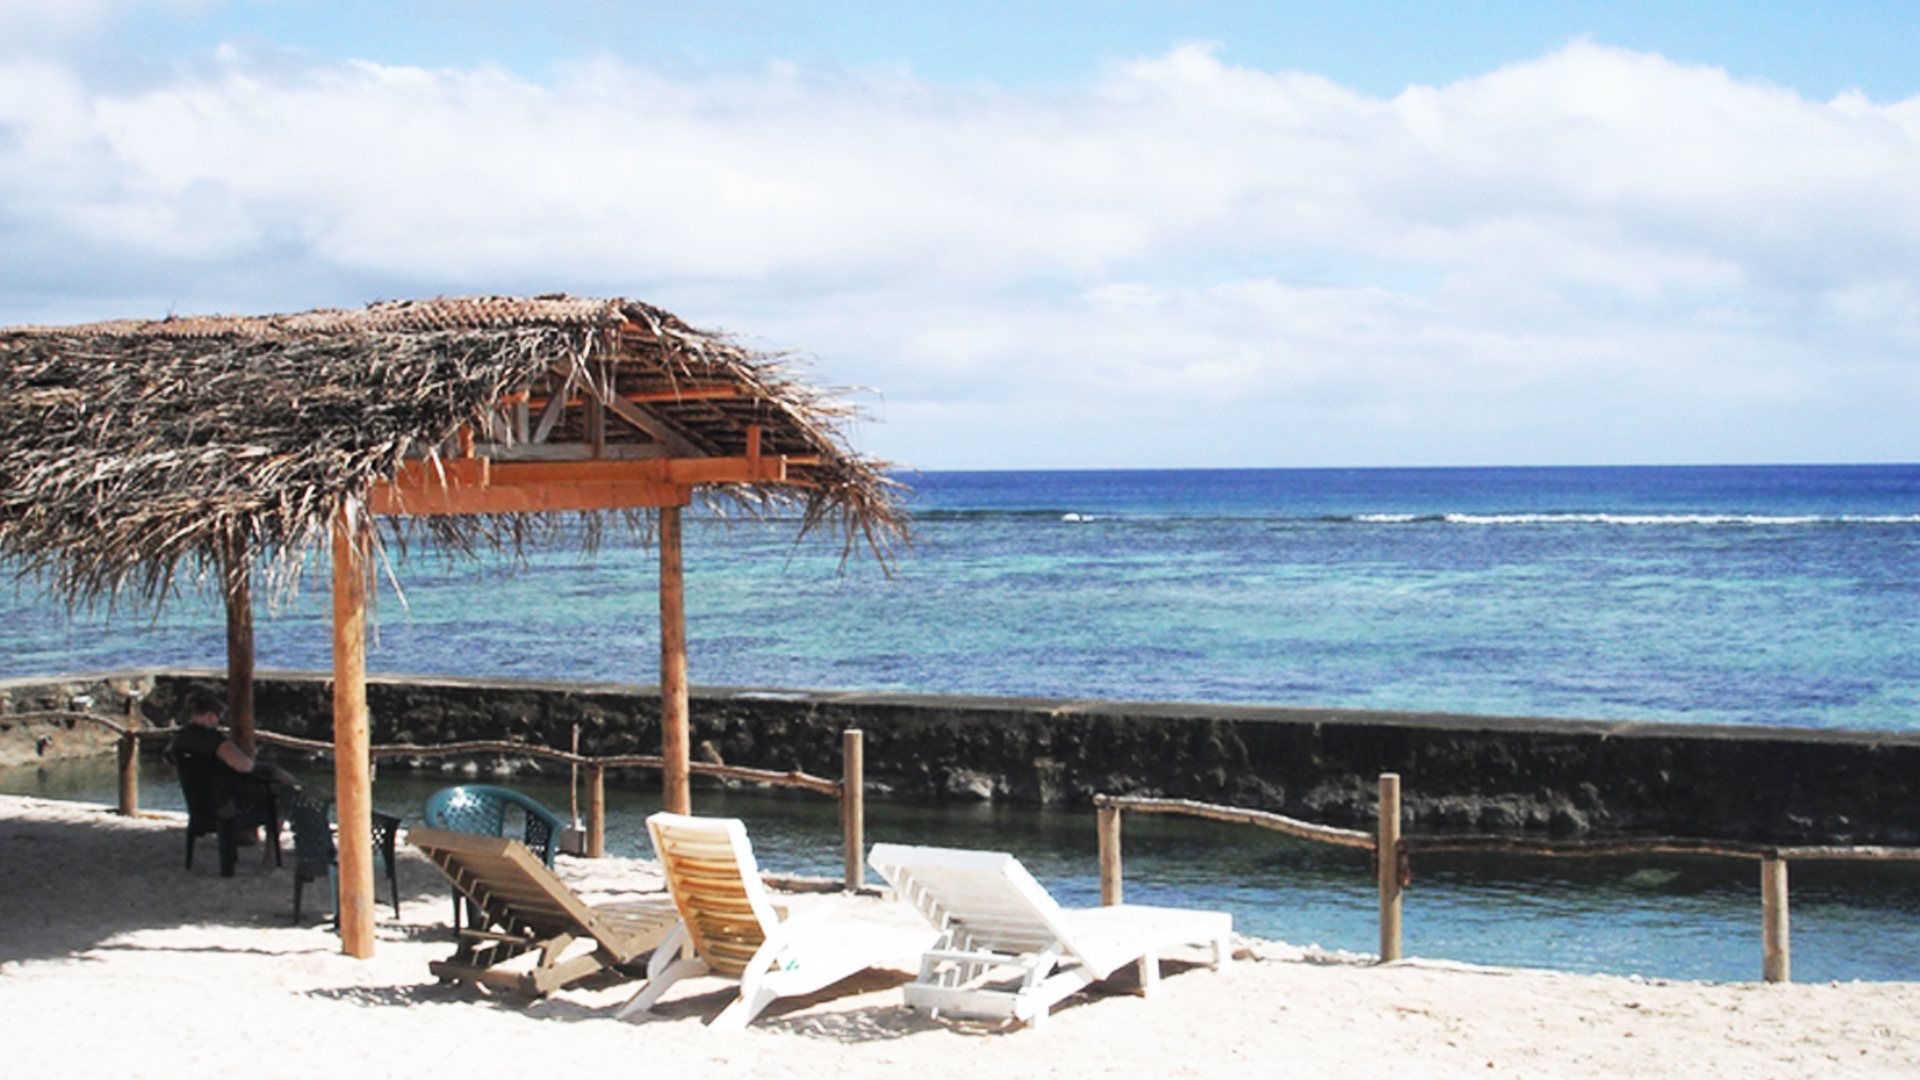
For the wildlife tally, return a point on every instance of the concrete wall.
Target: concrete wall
(1533, 776)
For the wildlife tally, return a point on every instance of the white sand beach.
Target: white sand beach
(117, 962)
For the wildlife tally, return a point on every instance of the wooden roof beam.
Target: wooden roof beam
(483, 486)
(662, 432)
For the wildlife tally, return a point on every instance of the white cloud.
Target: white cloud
(1187, 262)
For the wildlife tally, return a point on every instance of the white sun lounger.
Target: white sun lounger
(729, 928)
(1008, 951)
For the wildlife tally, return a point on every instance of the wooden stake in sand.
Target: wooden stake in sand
(853, 805)
(1387, 858)
(1776, 952)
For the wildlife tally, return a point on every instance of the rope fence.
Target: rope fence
(848, 790)
(1394, 874)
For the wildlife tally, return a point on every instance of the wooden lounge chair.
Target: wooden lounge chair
(490, 811)
(729, 928)
(530, 911)
(1009, 952)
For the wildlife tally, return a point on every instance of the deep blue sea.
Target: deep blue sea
(1777, 595)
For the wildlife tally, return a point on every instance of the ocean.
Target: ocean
(1782, 595)
(1767, 595)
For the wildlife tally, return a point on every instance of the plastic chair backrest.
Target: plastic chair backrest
(484, 809)
(196, 787)
(312, 829)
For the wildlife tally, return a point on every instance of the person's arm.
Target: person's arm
(234, 758)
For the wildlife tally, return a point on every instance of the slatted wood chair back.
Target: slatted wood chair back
(716, 886)
(515, 888)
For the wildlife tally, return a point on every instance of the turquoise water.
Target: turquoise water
(1775, 596)
(1659, 917)
(1758, 596)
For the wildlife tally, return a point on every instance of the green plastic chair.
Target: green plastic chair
(488, 810)
(314, 852)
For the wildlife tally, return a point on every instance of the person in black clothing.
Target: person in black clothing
(244, 779)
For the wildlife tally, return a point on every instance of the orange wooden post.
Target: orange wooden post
(1387, 855)
(853, 805)
(352, 766)
(675, 734)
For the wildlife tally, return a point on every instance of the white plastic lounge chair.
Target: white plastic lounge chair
(1009, 952)
(729, 928)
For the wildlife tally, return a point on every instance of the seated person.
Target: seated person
(237, 787)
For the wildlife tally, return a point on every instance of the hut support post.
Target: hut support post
(675, 730)
(596, 812)
(1776, 959)
(1386, 853)
(237, 577)
(853, 805)
(1112, 890)
(353, 780)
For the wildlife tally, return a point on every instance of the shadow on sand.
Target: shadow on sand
(79, 876)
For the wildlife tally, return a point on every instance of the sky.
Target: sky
(1049, 235)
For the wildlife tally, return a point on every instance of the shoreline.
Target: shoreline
(107, 933)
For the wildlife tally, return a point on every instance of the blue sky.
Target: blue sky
(1376, 47)
(1049, 235)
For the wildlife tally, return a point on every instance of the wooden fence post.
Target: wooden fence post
(853, 805)
(129, 775)
(1776, 951)
(130, 758)
(596, 812)
(1112, 891)
(1386, 854)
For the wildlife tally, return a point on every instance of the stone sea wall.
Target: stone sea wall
(1465, 773)
(28, 735)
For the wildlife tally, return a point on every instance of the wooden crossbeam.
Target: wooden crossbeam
(483, 486)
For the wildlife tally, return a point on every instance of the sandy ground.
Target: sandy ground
(116, 962)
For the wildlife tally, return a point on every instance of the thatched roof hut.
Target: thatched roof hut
(133, 450)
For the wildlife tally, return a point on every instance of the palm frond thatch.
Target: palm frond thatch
(134, 451)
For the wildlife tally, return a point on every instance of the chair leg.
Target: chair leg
(672, 961)
(393, 883)
(754, 997)
(229, 848)
(1149, 974)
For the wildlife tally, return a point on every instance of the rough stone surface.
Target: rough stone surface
(1459, 773)
(29, 736)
